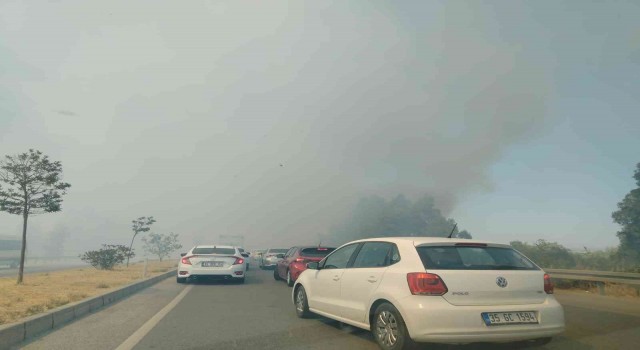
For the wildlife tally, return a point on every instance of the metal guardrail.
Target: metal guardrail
(600, 277)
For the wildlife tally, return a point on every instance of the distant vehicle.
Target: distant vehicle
(246, 256)
(10, 247)
(256, 255)
(216, 262)
(271, 257)
(295, 261)
(418, 289)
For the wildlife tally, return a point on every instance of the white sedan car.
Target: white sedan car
(418, 289)
(215, 262)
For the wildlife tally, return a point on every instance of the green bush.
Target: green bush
(107, 257)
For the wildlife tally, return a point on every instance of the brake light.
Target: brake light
(238, 261)
(422, 283)
(548, 285)
(300, 260)
(185, 260)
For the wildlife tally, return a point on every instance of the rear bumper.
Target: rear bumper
(435, 320)
(296, 270)
(235, 271)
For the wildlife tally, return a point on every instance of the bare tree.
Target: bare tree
(32, 185)
(140, 225)
(161, 245)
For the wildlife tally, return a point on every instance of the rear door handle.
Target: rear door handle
(336, 278)
(372, 279)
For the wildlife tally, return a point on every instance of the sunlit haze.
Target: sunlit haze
(271, 119)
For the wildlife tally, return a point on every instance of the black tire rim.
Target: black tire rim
(387, 328)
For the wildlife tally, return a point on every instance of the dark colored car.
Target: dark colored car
(295, 261)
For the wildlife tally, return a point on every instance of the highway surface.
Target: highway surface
(259, 315)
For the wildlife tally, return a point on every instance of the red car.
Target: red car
(295, 261)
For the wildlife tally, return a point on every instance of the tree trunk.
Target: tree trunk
(25, 216)
(130, 245)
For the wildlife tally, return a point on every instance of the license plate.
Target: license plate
(500, 318)
(212, 264)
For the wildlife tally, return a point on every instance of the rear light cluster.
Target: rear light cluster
(185, 260)
(302, 260)
(422, 283)
(548, 285)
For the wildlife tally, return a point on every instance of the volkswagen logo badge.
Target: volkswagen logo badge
(501, 282)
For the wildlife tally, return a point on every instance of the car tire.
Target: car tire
(241, 280)
(290, 282)
(386, 320)
(301, 303)
(275, 274)
(181, 279)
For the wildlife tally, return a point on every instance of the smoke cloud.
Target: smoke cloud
(262, 119)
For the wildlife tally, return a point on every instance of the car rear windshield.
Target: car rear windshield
(473, 258)
(278, 250)
(221, 251)
(316, 252)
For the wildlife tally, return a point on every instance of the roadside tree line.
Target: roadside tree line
(31, 184)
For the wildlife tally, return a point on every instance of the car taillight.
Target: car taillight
(301, 260)
(422, 283)
(238, 261)
(548, 285)
(185, 260)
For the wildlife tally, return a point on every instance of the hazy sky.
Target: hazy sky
(269, 119)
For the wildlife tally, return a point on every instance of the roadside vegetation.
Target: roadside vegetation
(30, 184)
(41, 292)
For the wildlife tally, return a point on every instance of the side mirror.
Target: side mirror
(183, 254)
(313, 266)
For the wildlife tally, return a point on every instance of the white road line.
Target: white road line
(137, 336)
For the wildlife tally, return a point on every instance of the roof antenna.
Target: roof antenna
(453, 229)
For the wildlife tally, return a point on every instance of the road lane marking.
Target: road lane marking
(137, 336)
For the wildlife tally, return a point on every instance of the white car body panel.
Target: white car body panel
(228, 270)
(452, 318)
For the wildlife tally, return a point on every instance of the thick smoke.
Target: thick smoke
(269, 120)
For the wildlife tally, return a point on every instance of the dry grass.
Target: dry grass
(45, 291)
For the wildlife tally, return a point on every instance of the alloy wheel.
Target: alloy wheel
(387, 328)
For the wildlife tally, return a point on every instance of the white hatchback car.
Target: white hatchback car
(420, 289)
(212, 262)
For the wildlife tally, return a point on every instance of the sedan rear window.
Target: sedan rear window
(316, 252)
(473, 258)
(221, 251)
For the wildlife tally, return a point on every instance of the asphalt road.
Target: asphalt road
(259, 315)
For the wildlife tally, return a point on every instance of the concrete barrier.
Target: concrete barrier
(14, 333)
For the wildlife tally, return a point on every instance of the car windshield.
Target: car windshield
(316, 252)
(213, 250)
(473, 258)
